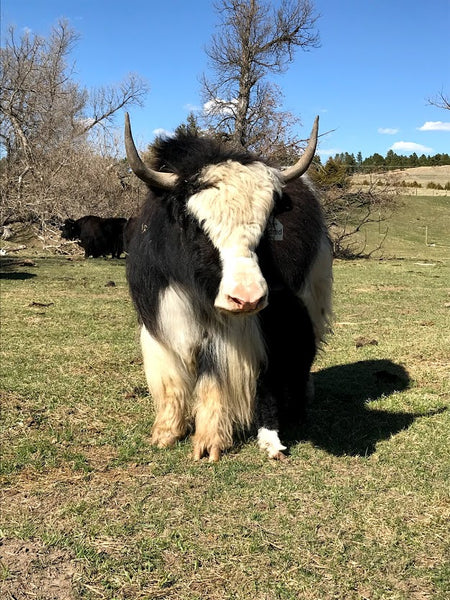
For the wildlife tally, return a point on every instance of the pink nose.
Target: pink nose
(240, 305)
(246, 298)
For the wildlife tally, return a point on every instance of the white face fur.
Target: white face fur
(233, 212)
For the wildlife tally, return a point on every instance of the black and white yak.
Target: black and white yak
(230, 273)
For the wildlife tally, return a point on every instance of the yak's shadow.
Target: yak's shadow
(8, 269)
(340, 419)
(16, 276)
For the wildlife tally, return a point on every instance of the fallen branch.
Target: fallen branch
(343, 323)
(23, 247)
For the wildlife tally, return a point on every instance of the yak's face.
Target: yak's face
(233, 211)
(233, 206)
(70, 230)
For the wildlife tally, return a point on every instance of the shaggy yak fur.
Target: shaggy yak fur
(229, 269)
(97, 236)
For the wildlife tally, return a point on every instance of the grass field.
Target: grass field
(360, 510)
(418, 230)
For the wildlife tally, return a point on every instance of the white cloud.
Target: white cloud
(219, 107)
(162, 133)
(435, 126)
(387, 130)
(192, 107)
(410, 147)
(329, 151)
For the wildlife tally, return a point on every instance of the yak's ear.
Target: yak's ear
(165, 181)
(281, 204)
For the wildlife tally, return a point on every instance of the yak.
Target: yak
(97, 236)
(230, 272)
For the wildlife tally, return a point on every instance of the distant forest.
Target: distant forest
(390, 161)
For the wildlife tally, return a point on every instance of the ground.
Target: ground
(35, 571)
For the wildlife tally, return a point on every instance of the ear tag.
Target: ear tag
(276, 230)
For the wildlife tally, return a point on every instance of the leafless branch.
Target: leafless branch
(255, 40)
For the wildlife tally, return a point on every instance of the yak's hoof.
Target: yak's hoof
(200, 450)
(163, 438)
(269, 441)
(279, 456)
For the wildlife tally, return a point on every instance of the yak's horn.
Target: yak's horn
(165, 181)
(302, 165)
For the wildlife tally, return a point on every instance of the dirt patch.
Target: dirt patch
(30, 570)
(362, 341)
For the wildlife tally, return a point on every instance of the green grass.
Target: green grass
(359, 510)
(418, 229)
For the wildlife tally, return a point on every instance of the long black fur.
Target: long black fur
(97, 236)
(169, 246)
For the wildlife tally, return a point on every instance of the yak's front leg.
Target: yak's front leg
(267, 423)
(170, 384)
(213, 421)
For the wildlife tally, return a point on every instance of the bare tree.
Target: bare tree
(47, 120)
(441, 100)
(254, 40)
(350, 209)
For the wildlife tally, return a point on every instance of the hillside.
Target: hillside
(422, 175)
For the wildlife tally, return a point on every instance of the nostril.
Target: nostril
(235, 300)
(259, 303)
(245, 305)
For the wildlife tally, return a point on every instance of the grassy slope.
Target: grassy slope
(360, 509)
(421, 175)
(419, 229)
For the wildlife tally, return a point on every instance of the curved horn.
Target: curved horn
(302, 165)
(165, 181)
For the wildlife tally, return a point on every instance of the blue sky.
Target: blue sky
(378, 62)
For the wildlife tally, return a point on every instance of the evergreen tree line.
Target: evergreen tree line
(390, 161)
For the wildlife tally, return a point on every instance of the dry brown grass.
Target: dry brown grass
(421, 175)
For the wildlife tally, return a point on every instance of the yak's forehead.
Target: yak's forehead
(236, 202)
